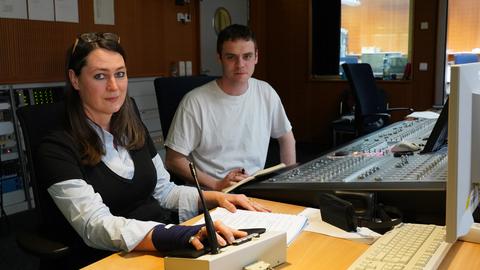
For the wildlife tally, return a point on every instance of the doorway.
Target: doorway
(238, 12)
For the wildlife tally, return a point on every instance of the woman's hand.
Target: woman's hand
(224, 234)
(232, 201)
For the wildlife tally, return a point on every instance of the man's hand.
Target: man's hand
(177, 163)
(231, 178)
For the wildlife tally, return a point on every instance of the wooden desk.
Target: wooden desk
(308, 251)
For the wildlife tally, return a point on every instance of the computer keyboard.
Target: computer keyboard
(408, 246)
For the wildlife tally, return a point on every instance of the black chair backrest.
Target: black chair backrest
(170, 91)
(362, 82)
(37, 121)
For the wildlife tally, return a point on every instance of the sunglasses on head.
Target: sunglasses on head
(94, 37)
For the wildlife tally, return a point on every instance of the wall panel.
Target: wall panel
(34, 51)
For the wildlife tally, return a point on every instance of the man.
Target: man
(225, 125)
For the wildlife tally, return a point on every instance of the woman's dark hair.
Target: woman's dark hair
(125, 125)
(235, 32)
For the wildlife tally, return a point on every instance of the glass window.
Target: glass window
(376, 32)
(368, 31)
(463, 35)
(463, 30)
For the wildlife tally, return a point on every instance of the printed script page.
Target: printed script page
(243, 219)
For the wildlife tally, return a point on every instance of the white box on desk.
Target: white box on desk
(270, 247)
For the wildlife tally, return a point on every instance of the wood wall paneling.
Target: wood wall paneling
(422, 91)
(34, 51)
(258, 11)
(380, 25)
(463, 30)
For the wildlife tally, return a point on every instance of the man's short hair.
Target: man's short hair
(235, 32)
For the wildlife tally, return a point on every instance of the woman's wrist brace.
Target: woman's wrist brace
(173, 237)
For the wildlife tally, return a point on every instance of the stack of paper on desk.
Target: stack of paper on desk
(424, 114)
(243, 219)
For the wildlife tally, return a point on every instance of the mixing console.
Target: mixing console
(413, 131)
(367, 164)
(366, 168)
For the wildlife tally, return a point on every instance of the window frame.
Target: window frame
(314, 60)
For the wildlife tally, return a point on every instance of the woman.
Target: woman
(102, 170)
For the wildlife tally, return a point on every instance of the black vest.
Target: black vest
(129, 198)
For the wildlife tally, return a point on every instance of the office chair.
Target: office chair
(464, 58)
(347, 59)
(36, 121)
(371, 109)
(170, 91)
(49, 246)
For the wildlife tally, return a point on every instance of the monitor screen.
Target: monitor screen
(463, 149)
(438, 136)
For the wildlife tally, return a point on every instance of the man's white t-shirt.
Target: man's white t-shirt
(221, 132)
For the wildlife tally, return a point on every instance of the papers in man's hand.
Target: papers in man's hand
(315, 224)
(258, 173)
(243, 219)
(424, 114)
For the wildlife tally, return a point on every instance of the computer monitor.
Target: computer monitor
(438, 136)
(463, 149)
